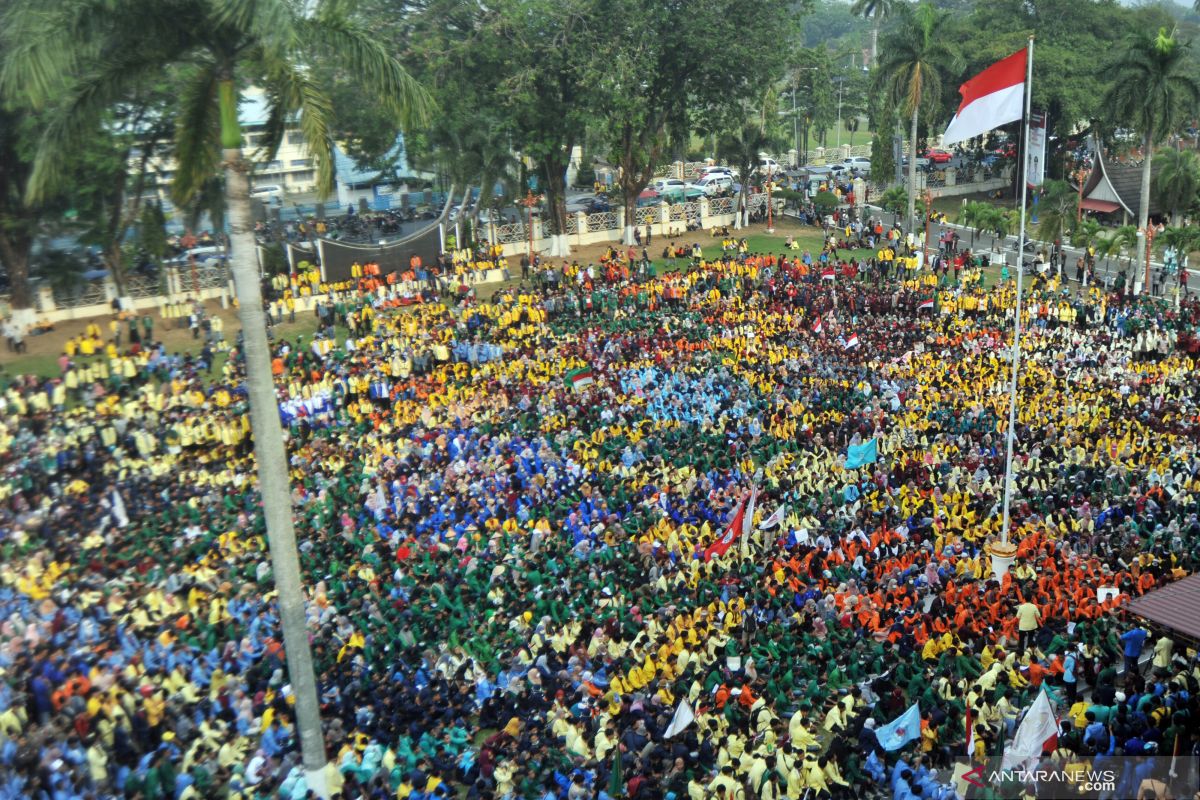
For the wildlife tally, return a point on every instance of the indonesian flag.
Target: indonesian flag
(852, 342)
(740, 524)
(990, 99)
(970, 731)
(926, 306)
(828, 274)
(1037, 733)
(818, 326)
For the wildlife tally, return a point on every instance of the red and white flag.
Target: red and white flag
(992, 98)
(1037, 733)
(818, 326)
(970, 731)
(741, 523)
(926, 306)
(828, 274)
(852, 341)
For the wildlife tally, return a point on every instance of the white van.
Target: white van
(269, 191)
(715, 184)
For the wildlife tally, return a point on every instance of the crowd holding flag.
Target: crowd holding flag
(580, 378)
(741, 525)
(900, 731)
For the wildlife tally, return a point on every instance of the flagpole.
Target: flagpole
(1016, 355)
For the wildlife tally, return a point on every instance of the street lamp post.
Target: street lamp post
(928, 214)
(1150, 231)
(770, 209)
(1081, 175)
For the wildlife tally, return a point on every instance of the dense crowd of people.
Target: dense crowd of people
(507, 510)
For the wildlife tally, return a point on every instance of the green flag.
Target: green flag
(616, 784)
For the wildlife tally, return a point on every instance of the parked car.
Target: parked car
(588, 204)
(270, 191)
(938, 156)
(715, 170)
(683, 194)
(662, 185)
(857, 164)
(769, 166)
(922, 163)
(713, 185)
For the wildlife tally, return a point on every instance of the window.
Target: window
(275, 165)
(301, 177)
(295, 137)
(299, 162)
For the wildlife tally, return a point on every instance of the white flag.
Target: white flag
(748, 520)
(683, 717)
(119, 515)
(774, 519)
(1037, 729)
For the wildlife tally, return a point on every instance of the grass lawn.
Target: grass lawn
(760, 241)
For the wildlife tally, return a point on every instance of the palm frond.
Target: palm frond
(370, 62)
(291, 91)
(197, 132)
(79, 115)
(270, 24)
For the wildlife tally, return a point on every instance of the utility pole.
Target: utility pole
(796, 126)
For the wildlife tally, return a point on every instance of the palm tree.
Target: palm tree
(978, 217)
(1124, 238)
(1182, 240)
(1177, 181)
(1155, 91)
(893, 199)
(876, 10)
(1057, 210)
(916, 59)
(85, 54)
(1086, 233)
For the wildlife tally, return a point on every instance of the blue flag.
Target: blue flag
(900, 731)
(859, 455)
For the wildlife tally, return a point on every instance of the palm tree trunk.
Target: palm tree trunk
(270, 454)
(912, 171)
(874, 36)
(1144, 207)
(15, 248)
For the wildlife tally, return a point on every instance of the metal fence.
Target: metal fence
(86, 293)
(572, 223)
(646, 216)
(755, 202)
(720, 205)
(141, 286)
(678, 212)
(603, 221)
(511, 234)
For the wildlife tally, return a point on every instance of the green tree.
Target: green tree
(739, 148)
(1154, 92)
(660, 66)
(94, 55)
(912, 71)
(18, 218)
(1176, 184)
(876, 10)
(152, 231)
